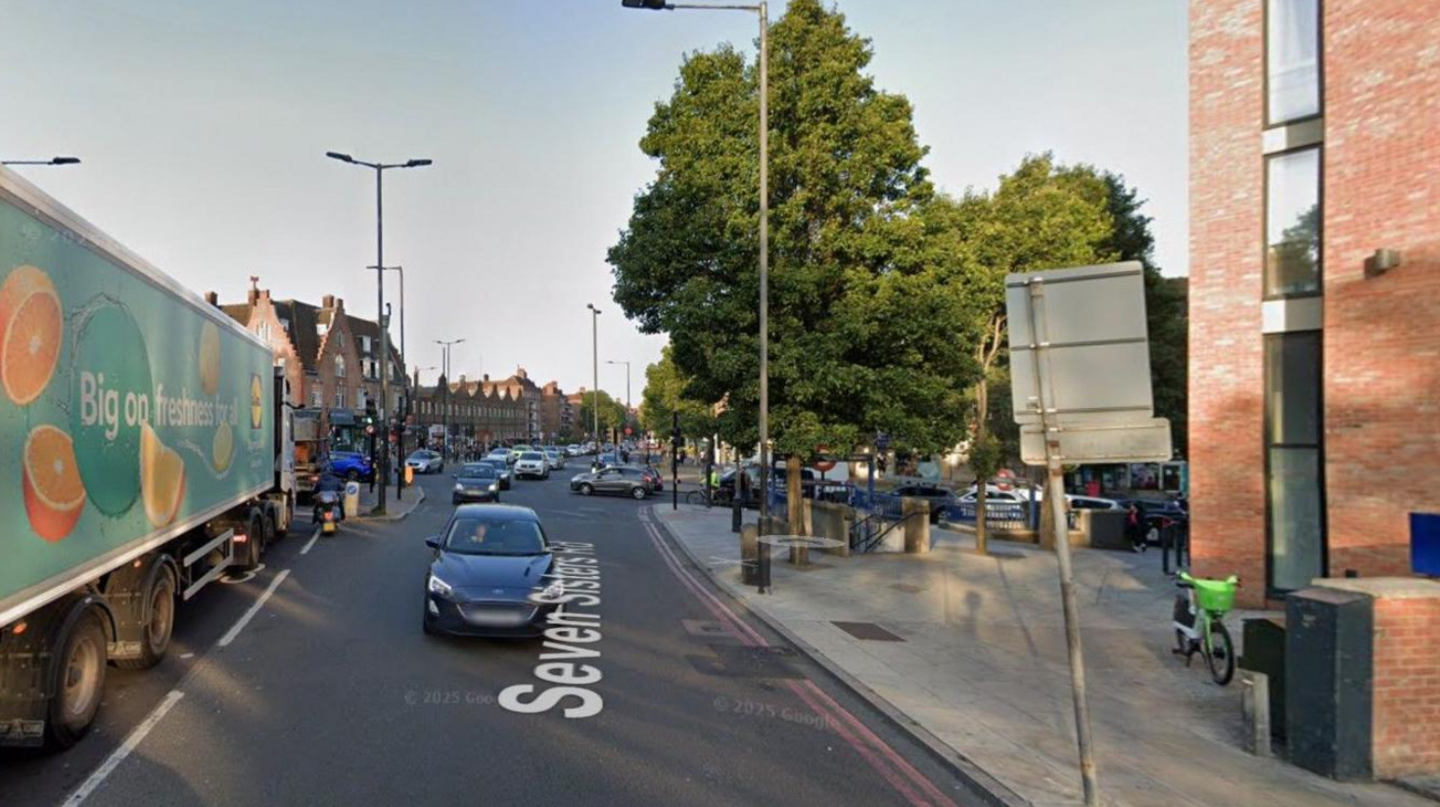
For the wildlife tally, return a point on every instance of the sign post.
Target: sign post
(1080, 380)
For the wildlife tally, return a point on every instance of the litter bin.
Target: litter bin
(409, 475)
(352, 499)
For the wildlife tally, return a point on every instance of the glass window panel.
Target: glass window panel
(1292, 224)
(1292, 55)
(1292, 388)
(1296, 538)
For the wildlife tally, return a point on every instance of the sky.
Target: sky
(203, 129)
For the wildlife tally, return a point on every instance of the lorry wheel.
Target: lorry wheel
(159, 625)
(79, 684)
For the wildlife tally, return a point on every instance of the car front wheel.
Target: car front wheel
(586, 489)
(637, 492)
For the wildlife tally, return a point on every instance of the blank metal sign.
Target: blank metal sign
(1097, 366)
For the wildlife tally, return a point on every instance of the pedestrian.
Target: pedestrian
(1134, 529)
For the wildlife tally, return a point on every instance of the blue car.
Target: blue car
(490, 575)
(352, 466)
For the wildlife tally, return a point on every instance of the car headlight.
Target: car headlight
(553, 590)
(438, 586)
(459, 488)
(493, 487)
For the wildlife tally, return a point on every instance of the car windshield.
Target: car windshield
(420, 455)
(477, 470)
(487, 536)
(531, 455)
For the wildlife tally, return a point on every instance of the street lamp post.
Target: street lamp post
(51, 161)
(763, 10)
(595, 359)
(384, 409)
(445, 372)
(385, 362)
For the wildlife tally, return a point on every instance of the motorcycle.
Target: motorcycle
(328, 511)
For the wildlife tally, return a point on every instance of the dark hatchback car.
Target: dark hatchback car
(490, 574)
(476, 482)
(352, 466)
(938, 497)
(502, 470)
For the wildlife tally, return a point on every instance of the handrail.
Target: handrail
(872, 540)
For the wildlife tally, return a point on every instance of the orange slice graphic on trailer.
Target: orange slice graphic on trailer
(54, 494)
(162, 478)
(32, 326)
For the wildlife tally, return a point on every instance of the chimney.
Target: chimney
(339, 304)
(486, 377)
(212, 298)
(328, 301)
(252, 296)
(520, 372)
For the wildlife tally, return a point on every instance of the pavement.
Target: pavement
(311, 682)
(395, 509)
(969, 653)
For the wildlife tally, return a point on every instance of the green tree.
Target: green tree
(612, 414)
(869, 288)
(665, 393)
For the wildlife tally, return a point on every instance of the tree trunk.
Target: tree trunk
(793, 498)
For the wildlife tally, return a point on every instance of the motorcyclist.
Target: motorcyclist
(327, 494)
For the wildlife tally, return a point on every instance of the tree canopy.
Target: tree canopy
(870, 287)
(612, 414)
(665, 394)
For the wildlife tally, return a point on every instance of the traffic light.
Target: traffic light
(675, 437)
(653, 5)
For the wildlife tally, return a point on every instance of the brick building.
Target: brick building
(1314, 286)
(480, 412)
(331, 358)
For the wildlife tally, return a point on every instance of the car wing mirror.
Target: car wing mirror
(433, 542)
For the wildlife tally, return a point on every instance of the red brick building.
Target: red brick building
(1314, 286)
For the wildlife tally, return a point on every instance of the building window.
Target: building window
(340, 339)
(339, 397)
(1292, 224)
(1292, 60)
(263, 330)
(316, 399)
(364, 344)
(1295, 495)
(339, 366)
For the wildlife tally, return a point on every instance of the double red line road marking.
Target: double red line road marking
(914, 786)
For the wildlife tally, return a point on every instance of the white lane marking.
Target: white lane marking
(313, 538)
(254, 609)
(98, 777)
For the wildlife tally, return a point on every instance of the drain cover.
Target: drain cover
(867, 631)
(732, 661)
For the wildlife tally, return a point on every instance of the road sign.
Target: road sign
(824, 464)
(1079, 350)
(1100, 442)
(627, 431)
(882, 441)
(1091, 337)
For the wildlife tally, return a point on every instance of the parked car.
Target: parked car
(532, 464)
(616, 481)
(1158, 515)
(352, 466)
(573, 450)
(556, 458)
(502, 470)
(938, 497)
(490, 574)
(476, 482)
(425, 461)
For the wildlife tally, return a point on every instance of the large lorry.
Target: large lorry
(150, 448)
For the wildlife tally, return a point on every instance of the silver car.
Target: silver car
(556, 458)
(426, 462)
(532, 464)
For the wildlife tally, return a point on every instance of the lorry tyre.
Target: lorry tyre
(79, 682)
(159, 599)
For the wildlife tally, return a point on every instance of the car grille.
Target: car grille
(497, 613)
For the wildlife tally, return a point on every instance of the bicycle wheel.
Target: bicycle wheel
(695, 497)
(1221, 657)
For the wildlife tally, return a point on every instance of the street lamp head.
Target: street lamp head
(65, 161)
(652, 5)
(592, 307)
(418, 163)
(344, 158)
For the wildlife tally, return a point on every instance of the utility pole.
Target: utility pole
(595, 363)
(445, 363)
(763, 10)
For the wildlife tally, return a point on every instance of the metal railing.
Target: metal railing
(868, 532)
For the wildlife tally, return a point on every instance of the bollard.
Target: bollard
(763, 581)
(749, 554)
(917, 525)
(736, 515)
(1255, 705)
